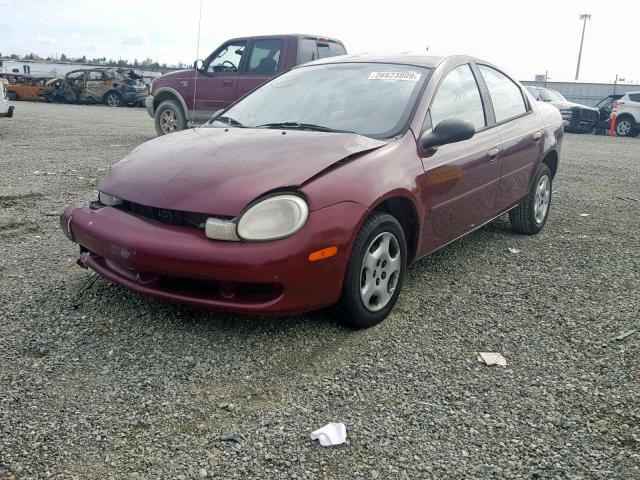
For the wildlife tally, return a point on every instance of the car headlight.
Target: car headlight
(109, 200)
(275, 217)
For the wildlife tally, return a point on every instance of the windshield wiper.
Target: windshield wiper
(302, 126)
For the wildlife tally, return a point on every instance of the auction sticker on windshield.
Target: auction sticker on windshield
(408, 76)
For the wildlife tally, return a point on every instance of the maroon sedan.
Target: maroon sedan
(321, 186)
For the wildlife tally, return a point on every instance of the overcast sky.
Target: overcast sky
(524, 38)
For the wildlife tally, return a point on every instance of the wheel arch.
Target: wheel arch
(403, 208)
(551, 161)
(168, 93)
(626, 115)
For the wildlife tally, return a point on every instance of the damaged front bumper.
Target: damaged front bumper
(180, 264)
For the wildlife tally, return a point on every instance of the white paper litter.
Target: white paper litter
(514, 250)
(584, 214)
(492, 358)
(331, 434)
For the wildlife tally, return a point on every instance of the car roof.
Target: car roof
(294, 35)
(418, 60)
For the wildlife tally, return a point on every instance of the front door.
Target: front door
(217, 83)
(265, 60)
(461, 179)
(96, 85)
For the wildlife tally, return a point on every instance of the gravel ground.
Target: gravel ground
(97, 382)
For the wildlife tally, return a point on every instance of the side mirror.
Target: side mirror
(198, 64)
(449, 130)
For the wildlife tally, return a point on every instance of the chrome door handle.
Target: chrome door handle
(493, 154)
(537, 136)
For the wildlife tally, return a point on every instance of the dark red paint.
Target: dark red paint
(451, 191)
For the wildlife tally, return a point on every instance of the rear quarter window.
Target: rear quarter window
(634, 97)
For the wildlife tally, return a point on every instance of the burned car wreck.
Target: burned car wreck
(112, 87)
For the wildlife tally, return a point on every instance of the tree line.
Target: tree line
(146, 64)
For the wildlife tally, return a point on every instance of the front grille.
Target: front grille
(588, 115)
(164, 215)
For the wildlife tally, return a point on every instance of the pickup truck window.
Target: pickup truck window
(227, 59)
(330, 49)
(265, 56)
(308, 50)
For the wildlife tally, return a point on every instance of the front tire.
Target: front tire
(113, 99)
(169, 118)
(530, 216)
(375, 272)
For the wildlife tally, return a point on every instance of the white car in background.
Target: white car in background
(628, 115)
(6, 110)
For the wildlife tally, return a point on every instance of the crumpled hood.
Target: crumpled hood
(568, 105)
(219, 171)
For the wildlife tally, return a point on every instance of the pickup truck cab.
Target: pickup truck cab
(187, 97)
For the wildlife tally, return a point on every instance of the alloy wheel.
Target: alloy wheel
(168, 121)
(113, 100)
(623, 128)
(542, 199)
(380, 271)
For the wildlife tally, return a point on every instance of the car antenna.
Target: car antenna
(195, 81)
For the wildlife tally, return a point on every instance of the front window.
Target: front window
(372, 99)
(227, 59)
(458, 96)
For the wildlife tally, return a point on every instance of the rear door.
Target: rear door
(461, 179)
(520, 129)
(217, 83)
(265, 59)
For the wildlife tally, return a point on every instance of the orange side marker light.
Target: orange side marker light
(323, 253)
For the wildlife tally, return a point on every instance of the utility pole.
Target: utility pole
(584, 17)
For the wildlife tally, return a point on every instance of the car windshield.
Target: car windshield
(551, 96)
(371, 99)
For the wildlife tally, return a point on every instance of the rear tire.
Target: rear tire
(169, 118)
(113, 99)
(626, 127)
(375, 272)
(530, 216)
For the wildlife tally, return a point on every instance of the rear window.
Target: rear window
(311, 49)
(330, 49)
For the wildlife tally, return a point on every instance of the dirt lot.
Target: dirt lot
(97, 382)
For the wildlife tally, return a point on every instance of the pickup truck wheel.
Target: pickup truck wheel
(625, 127)
(375, 272)
(113, 99)
(169, 117)
(530, 216)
